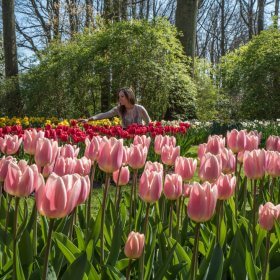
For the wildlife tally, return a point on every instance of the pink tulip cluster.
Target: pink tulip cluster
(268, 213)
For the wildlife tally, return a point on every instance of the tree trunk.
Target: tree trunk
(276, 14)
(186, 20)
(10, 55)
(55, 7)
(222, 6)
(116, 10)
(124, 7)
(89, 13)
(108, 13)
(250, 19)
(261, 4)
(72, 13)
(133, 9)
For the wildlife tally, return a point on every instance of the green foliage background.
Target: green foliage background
(144, 55)
(251, 78)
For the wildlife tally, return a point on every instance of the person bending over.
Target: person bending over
(127, 110)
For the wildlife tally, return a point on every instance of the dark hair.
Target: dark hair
(129, 94)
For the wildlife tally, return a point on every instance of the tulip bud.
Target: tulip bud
(210, 168)
(172, 186)
(225, 185)
(267, 214)
(185, 167)
(134, 245)
(123, 176)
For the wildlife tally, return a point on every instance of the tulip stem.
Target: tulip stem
(219, 204)
(35, 227)
(117, 186)
(1, 186)
(244, 198)
(107, 183)
(72, 218)
(128, 270)
(178, 209)
(195, 252)
(90, 195)
(15, 239)
(171, 218)
(254, 218)
(272, 183)
(265, 265)
(182, 210)
(142, 259)
(49, 240)
(134, 190)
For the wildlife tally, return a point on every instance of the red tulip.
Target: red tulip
(134, 245)
(202, 202)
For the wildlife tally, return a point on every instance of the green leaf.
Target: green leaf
(69, 250)
(122, 264)
(113, 273)
(164, 267)
(77, 268)
(274, 274)
(116, 243)
(215, 268)
(80, 238)
(19, 272)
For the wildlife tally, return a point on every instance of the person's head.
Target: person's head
(126, 97)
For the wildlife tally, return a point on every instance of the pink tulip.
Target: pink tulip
(150, 186)
(228, 161)
(186, 190)
(137, 156)
(123, 177)
(201, 150)
(202, 202)
(4, 163)
(85, 189)
(169, 154)
(185, 167)
(92, 147)
(215, 144)
(21, 179)
(110, 154)
(160, 141)
(82, 166)
(63, 166)
(273, 163)
(271, 143)
(125, 155)
(134, 245)
(143, 140)
(59, 196)
(172, 186)
(9, 145)
(30, 138)
(46, 151)
(226, 186)
(48, 169)
(153, 166)
(236, 140)
(267, 214)
(210, 168)
(69, 151)
(252, 142)
(254, 164)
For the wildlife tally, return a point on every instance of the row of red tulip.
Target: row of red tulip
(76, 134)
